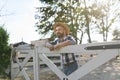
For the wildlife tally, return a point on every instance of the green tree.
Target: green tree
(69, 12)
(75, 13)
(4, 51)
(116, 34)
(79, 15)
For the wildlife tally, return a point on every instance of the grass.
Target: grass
(4, 79)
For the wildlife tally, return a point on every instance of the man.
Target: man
(62, 31)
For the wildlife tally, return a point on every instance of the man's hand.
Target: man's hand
(51, 47)
(57, 46)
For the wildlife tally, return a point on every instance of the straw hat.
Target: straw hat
(62, 25)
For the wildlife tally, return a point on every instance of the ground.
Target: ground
(108, 71)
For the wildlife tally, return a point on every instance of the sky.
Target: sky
(18, 19)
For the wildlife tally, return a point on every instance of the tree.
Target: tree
(3, 11)
(79, 15)
(116, 34)
(69, 12)
(4, 52)
(106, 15)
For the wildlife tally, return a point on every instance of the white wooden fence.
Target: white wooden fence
(103, 53)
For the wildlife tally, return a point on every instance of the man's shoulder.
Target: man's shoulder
(56, 39)
(71, 38)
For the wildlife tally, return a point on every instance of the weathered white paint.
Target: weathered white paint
(40, 52)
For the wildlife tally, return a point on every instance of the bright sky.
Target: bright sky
(20, 23)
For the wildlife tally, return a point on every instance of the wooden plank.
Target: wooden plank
(26, 60)
(36, 66)
(76, 49)
(93, 64)
(25, 74)
(52, 66)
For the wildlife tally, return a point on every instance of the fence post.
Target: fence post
(36, 64)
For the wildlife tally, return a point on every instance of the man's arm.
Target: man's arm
(68, 41)
(62, 44)
(59, 45)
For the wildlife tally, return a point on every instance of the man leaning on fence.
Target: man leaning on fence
(69, 63)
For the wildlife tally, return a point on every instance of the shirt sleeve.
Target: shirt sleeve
(54, 42)
(73, 42)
